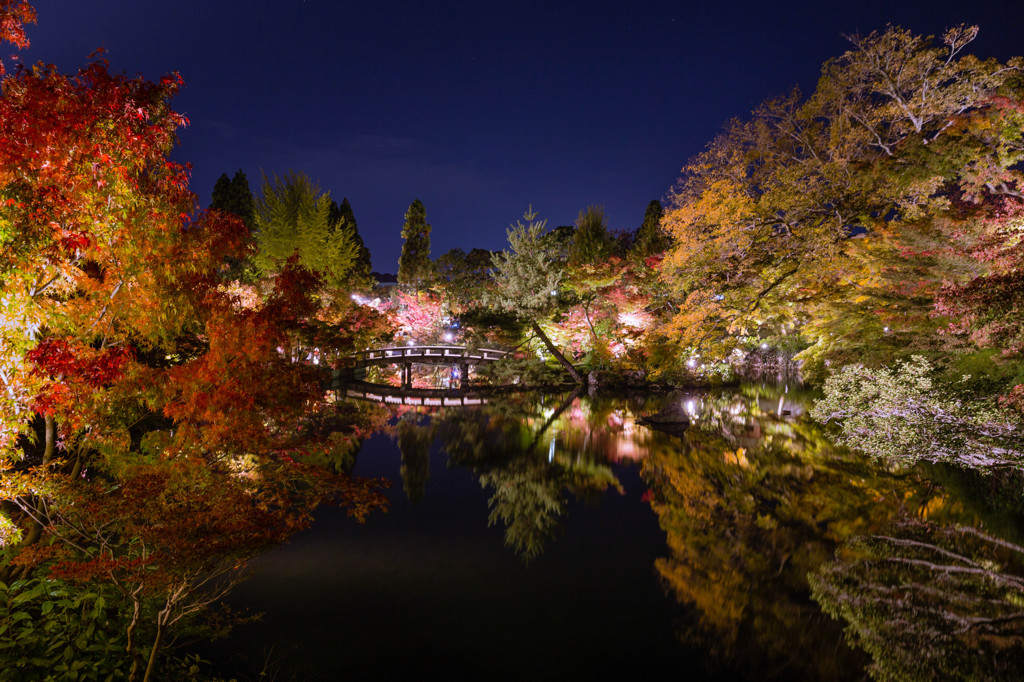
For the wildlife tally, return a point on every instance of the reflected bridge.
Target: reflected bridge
(400, 395)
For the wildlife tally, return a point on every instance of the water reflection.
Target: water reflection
(753, 498)
(930, 601)
(532, 455)
(414, 444)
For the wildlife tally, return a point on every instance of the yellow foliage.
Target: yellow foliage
(738, 458)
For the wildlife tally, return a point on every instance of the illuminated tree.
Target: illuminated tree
(95, 258)
(415, 270)
(591, 242)
(343, 218)
(148, 418)
(169, 540)
(293, 217)
(464, 277)
(901, 415)
(14, 14)
(419, 316)
(802, 211)
(527, 279)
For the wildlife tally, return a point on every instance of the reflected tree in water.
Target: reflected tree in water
(514, 448)
(929, 601)
(340, 430)
(751, 501)
(414, 444)
(528, 501)
(904, 415)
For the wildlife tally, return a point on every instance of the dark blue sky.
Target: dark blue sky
(476, 108)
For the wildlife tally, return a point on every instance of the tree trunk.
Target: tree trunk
(132, 651)
(76, 470)
(51, 439)
(151, 667)
(557, 413)
(558, 356)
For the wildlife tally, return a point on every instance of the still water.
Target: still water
(554, 537)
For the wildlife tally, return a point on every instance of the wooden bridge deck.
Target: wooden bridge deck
(347, 381)
(433, 355)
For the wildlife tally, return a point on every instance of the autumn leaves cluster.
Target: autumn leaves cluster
(877, 218)
(148, 414)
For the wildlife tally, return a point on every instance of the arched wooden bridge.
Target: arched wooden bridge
(435, 355)
(407, 356)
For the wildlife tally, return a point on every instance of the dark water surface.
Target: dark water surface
(613, 549)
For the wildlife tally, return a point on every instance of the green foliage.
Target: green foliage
(559, 240)
(527, 280)
(234, 196)
(415, 270)
(528, 501)
(591, 242)
(929, 601)
(751, 500)
(527, 276)
(988, 372)
(482, 323)
(464, 277)
(55, 631)
(527, 370)
(50, 630)
(414, 445)
(343, 219)
(293, 217)
(902, 415)
(650, 237)
(838, 216)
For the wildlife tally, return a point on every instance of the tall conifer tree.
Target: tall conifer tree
(591, 242)
(414, 267)
(234, 196)
(650, 238)
(293, 217)
(527, 278)
(342, 218)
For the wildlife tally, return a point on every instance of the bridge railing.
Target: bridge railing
(413, 353)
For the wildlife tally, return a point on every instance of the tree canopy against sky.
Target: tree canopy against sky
(235, 196)
(800, 206)
(293, 217)
(527, 278)
(650, 237)
(135, 387)
(415, 269)
(591, 242)
(467, 153)
(344, 218)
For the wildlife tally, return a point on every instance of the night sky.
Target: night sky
(476, 108)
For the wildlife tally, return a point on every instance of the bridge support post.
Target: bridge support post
(407, 375)
(463, 375)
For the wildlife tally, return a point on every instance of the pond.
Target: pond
(554, 537)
